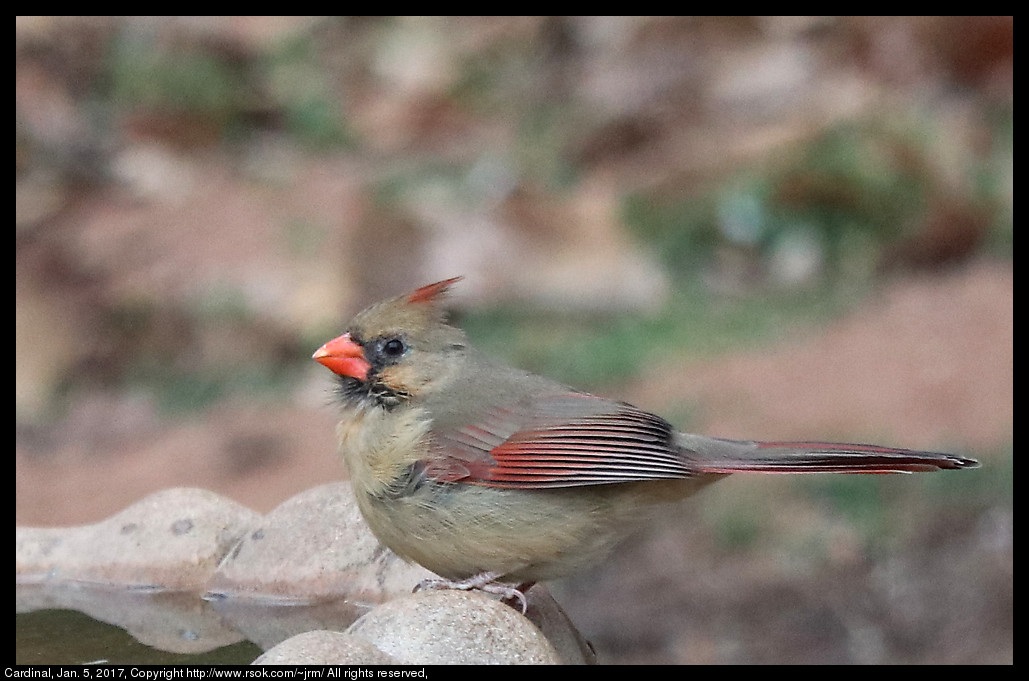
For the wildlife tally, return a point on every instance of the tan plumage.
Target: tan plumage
(470, 467)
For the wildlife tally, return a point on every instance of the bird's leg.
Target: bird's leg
(484, 581)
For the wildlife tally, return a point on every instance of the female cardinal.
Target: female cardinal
(493, 477)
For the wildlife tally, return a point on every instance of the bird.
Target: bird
(495, 478)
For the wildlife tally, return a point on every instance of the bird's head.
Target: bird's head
(396, 349)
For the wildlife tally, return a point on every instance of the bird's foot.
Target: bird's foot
(484, 581)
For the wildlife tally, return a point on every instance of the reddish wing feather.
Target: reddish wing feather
(560, 441)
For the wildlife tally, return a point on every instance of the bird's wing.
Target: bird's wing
(561, 440)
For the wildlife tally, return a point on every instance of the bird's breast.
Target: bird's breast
(381, 446)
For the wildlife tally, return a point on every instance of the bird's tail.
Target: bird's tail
(714, 455)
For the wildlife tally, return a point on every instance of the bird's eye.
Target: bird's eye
(394, 347)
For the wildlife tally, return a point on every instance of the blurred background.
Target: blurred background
(758, 227)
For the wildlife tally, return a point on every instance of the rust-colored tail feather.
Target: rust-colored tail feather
(831, 457)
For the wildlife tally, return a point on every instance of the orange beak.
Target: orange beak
(344, 357)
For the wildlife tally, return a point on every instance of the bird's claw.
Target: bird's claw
(484, 581)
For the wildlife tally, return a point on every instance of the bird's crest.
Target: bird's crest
(415, 314)
(432, 292)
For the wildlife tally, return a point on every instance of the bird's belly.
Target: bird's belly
(462, 530)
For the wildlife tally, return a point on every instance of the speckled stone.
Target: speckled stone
(173, 539)
(315, 546)
(324, 647)
(453, 627)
